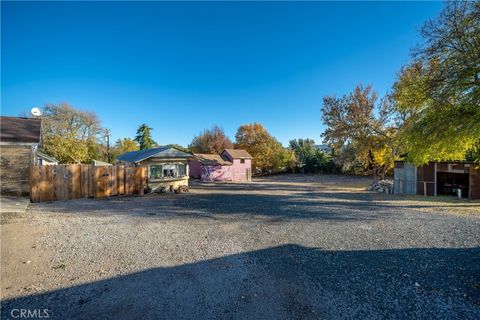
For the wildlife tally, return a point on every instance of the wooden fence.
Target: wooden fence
(74, 181)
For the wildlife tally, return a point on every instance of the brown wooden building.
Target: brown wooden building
(456, 178)
(19, 141)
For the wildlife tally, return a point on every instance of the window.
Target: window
(168, 170)
(182, 170)
(155, 172)
(242, 160)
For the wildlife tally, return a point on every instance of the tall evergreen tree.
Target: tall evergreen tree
(144, 138)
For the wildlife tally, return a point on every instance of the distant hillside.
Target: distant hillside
(323, 147)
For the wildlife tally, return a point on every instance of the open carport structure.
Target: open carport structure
(459, 178)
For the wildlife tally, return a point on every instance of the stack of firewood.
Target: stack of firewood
(385, 186)
(182, 189)
(161, 190)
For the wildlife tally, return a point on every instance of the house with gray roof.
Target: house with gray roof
(167, 165)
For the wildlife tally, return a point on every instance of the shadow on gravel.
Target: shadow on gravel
(221, 206)
(285, 282)
(280, 197)
(253, 201)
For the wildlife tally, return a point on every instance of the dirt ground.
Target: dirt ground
(284, 247)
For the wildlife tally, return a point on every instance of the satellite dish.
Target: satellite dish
(36, 112)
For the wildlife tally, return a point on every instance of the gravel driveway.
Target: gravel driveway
(285, 247)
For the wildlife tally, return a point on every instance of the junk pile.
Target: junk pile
(181, 189)
(385, 186)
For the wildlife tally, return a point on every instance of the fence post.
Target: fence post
(120, 179)
(128, 180)
(48, 186)
(34, 179)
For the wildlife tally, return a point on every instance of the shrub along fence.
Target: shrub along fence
(75, 181)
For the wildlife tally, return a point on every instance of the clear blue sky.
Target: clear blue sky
(182, 67)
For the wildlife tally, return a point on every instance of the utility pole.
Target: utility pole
(107, 139)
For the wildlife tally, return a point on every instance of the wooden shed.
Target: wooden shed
(230, 165)
(456, 178)
(242, 163)
(20, 139)
(210, 167)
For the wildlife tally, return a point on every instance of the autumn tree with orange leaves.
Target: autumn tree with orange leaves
(269, 156)
(212, 140)
(361, 131)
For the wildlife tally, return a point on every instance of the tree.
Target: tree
(268, 154)
(213, 140)
(310, 158)
(144, 138)
(439, 91)
(283, 159)
(179, 147)
(70, 135)
(473, 153)
(361, 131)
(124, 145)
(303, 148)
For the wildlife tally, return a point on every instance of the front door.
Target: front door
(249, 174)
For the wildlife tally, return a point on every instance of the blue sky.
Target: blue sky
(182, 67)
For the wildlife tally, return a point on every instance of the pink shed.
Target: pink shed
(241, 164)
(230, 165)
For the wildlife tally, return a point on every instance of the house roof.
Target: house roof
(160, 152)
(20, 130)
(211, 159)
(46, 157)
(446, 161)
(324, 147)
(99, 163)
(238, 153)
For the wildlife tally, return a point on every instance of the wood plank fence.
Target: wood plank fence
(75, 181)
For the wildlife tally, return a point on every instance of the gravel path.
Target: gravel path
(286, 247)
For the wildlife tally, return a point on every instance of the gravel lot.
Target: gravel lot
(285, 247)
